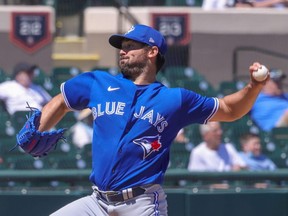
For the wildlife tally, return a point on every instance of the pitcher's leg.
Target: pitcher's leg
(86, 206)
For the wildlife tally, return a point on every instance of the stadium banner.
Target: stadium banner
(174, 26)
(30, 30)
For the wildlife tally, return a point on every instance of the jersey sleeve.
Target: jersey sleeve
(76, 91)
(198, 108)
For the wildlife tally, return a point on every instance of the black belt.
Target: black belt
(119, 196)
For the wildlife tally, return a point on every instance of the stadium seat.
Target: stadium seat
(6, 127)
(54, 90)
(180, 3)
(53, 184)
(162, 78)
(187, 77)
(233, 130)
(15, 185)
(101, 3)
(62, 74)
(27, 162)
(279, 156)
(106, 69)
(86, 155)
(3, 76)
(39, 76)
(198, 3)
(63, 149)
(279, 137)
(71, 163)
(193, 134)
(67, 121)
(2, 107)
(179, 156)
(6, 146)
(181, 73)
(18, 119)
(229, 87)
(145, 3)
(3, 166)
(201, 87)
(43, 79)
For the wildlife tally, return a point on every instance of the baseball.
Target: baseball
(260, 74)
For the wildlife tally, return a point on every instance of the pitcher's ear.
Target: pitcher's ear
(153, 51)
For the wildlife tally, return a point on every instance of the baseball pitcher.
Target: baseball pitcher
(136, 118)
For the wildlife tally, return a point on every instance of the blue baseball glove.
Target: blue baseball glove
(34, 142)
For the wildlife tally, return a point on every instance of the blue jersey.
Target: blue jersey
(134, 126)
(265, 115)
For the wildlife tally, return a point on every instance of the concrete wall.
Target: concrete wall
(214, 36)
(181, 202)
(11, 53)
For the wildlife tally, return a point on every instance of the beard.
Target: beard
(132, 70)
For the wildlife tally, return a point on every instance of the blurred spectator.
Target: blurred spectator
(212, 154)
(252, 153)
(271, 107)
(280, 4)
(82, 131)
(21, 90)
(217, 4)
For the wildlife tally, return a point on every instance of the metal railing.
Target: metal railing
(74, 177)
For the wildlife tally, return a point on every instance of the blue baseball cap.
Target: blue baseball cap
(143, 34)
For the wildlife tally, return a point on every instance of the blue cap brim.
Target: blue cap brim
(116, 40)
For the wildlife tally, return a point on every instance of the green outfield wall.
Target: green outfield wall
(180, 203)
(188, 193)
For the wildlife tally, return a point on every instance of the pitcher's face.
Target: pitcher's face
(133, 58)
